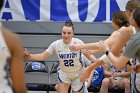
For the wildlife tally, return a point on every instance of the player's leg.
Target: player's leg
(63, 82)
(63, 87)
(125, 84)
(106, 84)
(78, 86)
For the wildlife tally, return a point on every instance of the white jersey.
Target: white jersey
(4, 55)
(69, 61)
(113, 70)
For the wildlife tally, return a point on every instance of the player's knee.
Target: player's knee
(127, 82)
(105, 82)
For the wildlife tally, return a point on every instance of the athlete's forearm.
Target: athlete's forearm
(37, 57)
(96, 64)
(118, 62)
(91, 74)
(125, 74)
(92, 46)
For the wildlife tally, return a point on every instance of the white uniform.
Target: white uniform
(113, 70)
(70, 63)
(4, 55)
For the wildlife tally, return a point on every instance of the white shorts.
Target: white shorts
(71, 78)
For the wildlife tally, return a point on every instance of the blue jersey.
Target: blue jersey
(98, 76)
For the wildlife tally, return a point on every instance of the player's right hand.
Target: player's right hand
(136, 68)
(26, 54)
(75, 47)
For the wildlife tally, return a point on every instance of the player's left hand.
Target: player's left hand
(85, 74)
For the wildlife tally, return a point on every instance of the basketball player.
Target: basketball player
(119, 22)
(116, 48)
(70, 62)
(132, 49)
(11, 56)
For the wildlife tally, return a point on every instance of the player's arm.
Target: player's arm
(86, 72)
(16, 62)
(39, 57)
(95, 47)
(89, 80)
(88, 55)
(118, 62)
(98, 50)
(127, 73)
(76, 47)
(109, 41)
(121, 40)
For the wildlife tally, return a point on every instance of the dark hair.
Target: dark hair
(1, 4)
(136, 16)
(131, 5)
(69, 24)
(120, 19)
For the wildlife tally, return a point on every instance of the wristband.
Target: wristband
(104, 58)
(107, 52)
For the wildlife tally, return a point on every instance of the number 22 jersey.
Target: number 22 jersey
(69, 61)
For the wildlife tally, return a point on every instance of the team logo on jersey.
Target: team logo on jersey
(96, 75)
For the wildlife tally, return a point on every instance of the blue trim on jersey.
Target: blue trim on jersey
(80, 58)
(58, 69)
(135, 85)
(133, 77)
(59, 78)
